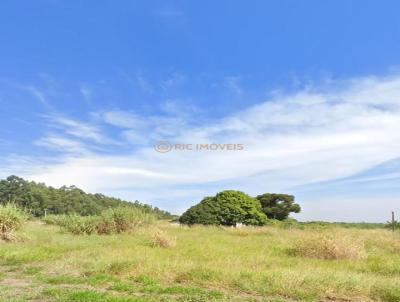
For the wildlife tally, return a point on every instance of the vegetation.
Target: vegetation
(329, 247)
(60, 220)
(36, 198)
(111, 221)
(393, 225)
(11, 220)
(207, 263)
(160, 239)
(226, 208)
(278, 206)
(232, 207)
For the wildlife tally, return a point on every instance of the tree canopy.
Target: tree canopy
(226, 208)
(278, 206)
(37, 197)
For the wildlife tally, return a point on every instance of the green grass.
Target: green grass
(206, 264)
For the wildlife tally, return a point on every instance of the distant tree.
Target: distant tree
(37, 197)
(278, 206)
(226, 208)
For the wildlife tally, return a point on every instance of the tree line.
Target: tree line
(36, 198)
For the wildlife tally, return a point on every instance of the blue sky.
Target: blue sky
(310, 88)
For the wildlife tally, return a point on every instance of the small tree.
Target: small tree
(226, 208)
(278, 206)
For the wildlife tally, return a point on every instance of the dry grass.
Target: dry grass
(329, 247)
(160, 239)
(247, 230)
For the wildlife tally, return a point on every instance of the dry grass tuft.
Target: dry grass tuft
(329, 247)
(160, 239)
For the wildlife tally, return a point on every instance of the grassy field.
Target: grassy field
(165, 262)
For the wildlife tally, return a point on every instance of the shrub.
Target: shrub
(160, 239)
(328, 247)
(12, 219)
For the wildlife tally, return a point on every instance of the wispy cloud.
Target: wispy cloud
(63, 144)
(78, 129)
(140, 81)
(144, 84)
(232, 83)
(37, 93)
(41, 92)
(138, 129)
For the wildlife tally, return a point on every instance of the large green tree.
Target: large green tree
(278, 206)
(226, 208)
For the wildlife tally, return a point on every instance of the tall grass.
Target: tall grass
(80, 225)
(111, 221)
(55, 219)
(122, 219)
(12, 219)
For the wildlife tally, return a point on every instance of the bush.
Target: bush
(328, 247)
(12, 219)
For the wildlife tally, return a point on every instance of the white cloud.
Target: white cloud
(78, 129)
(140, 130)
(124, 119)
(59, 143)
(36, 92)
(310, 136)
